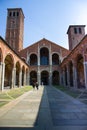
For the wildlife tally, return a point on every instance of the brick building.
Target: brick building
(43, 61)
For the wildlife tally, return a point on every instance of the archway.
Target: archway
(17, 73)
(71, 73)
(8, 71)
(33, 77)
(55, 78)
(45, 77)
(80, 72)
(44, 56)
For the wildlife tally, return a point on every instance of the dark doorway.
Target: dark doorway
(44, 77)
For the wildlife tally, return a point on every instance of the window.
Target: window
(10, 14)
(17, 13)
(13, 13)
(75, 30)
(80, 31)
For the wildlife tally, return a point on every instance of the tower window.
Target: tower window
(80, 31)
(17, 13)
(13, 13)
(10, 14)
(75, 30)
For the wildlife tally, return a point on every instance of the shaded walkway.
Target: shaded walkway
(45, 109)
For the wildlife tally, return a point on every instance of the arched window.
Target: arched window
(55, 59)
(44, 56)
(33, 59)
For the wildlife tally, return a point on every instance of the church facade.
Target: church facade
(44, 61)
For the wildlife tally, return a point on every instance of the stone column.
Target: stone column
(64, 78)
(38, 73)
(50, 78)
(50, 64)
(13, 78)
(68, 77)
(38, 77)
(2, 75)
(85, 73)
(74, 76)
(20, 78)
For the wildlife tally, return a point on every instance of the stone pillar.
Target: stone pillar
(64, 78)
(38, 78)
(50, 64)
(2, 75)
(74, 76)
(20, 78)
(68, 77)
(50, 78)
(85, 73)
(38, 73)
(13, 78)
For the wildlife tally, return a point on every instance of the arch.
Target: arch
(17, 72)
(33, 77)
(55, 59)
(71, 73)
(80, 72)
(45, 77)
(33, 59)
(9, 63)
(44, 56)
(23, 74)
(55, 78)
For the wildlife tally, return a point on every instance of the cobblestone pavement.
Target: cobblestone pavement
(44, 109)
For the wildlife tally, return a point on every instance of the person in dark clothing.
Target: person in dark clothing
(33, 84)
(37, 85)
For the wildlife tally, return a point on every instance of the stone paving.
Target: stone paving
(44, 109)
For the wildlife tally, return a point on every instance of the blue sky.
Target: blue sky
(48, 19)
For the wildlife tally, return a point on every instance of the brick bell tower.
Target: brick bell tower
(75, 35)
(15, 28)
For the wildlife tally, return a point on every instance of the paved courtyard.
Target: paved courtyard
(44, 109)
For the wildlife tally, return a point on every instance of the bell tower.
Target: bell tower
(15, 28)
(75, 35)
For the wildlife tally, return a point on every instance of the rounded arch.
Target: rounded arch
(33, 59)
(18, 68)
(80, 71)
(33, 77)
(9, 63)
(55, 59)
(44, 77)
(44, 56)
(55, 78)
(71, 73)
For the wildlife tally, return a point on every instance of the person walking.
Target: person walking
(37, 85)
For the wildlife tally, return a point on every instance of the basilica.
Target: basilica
(44, 62)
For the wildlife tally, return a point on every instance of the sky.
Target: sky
(48, 19)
